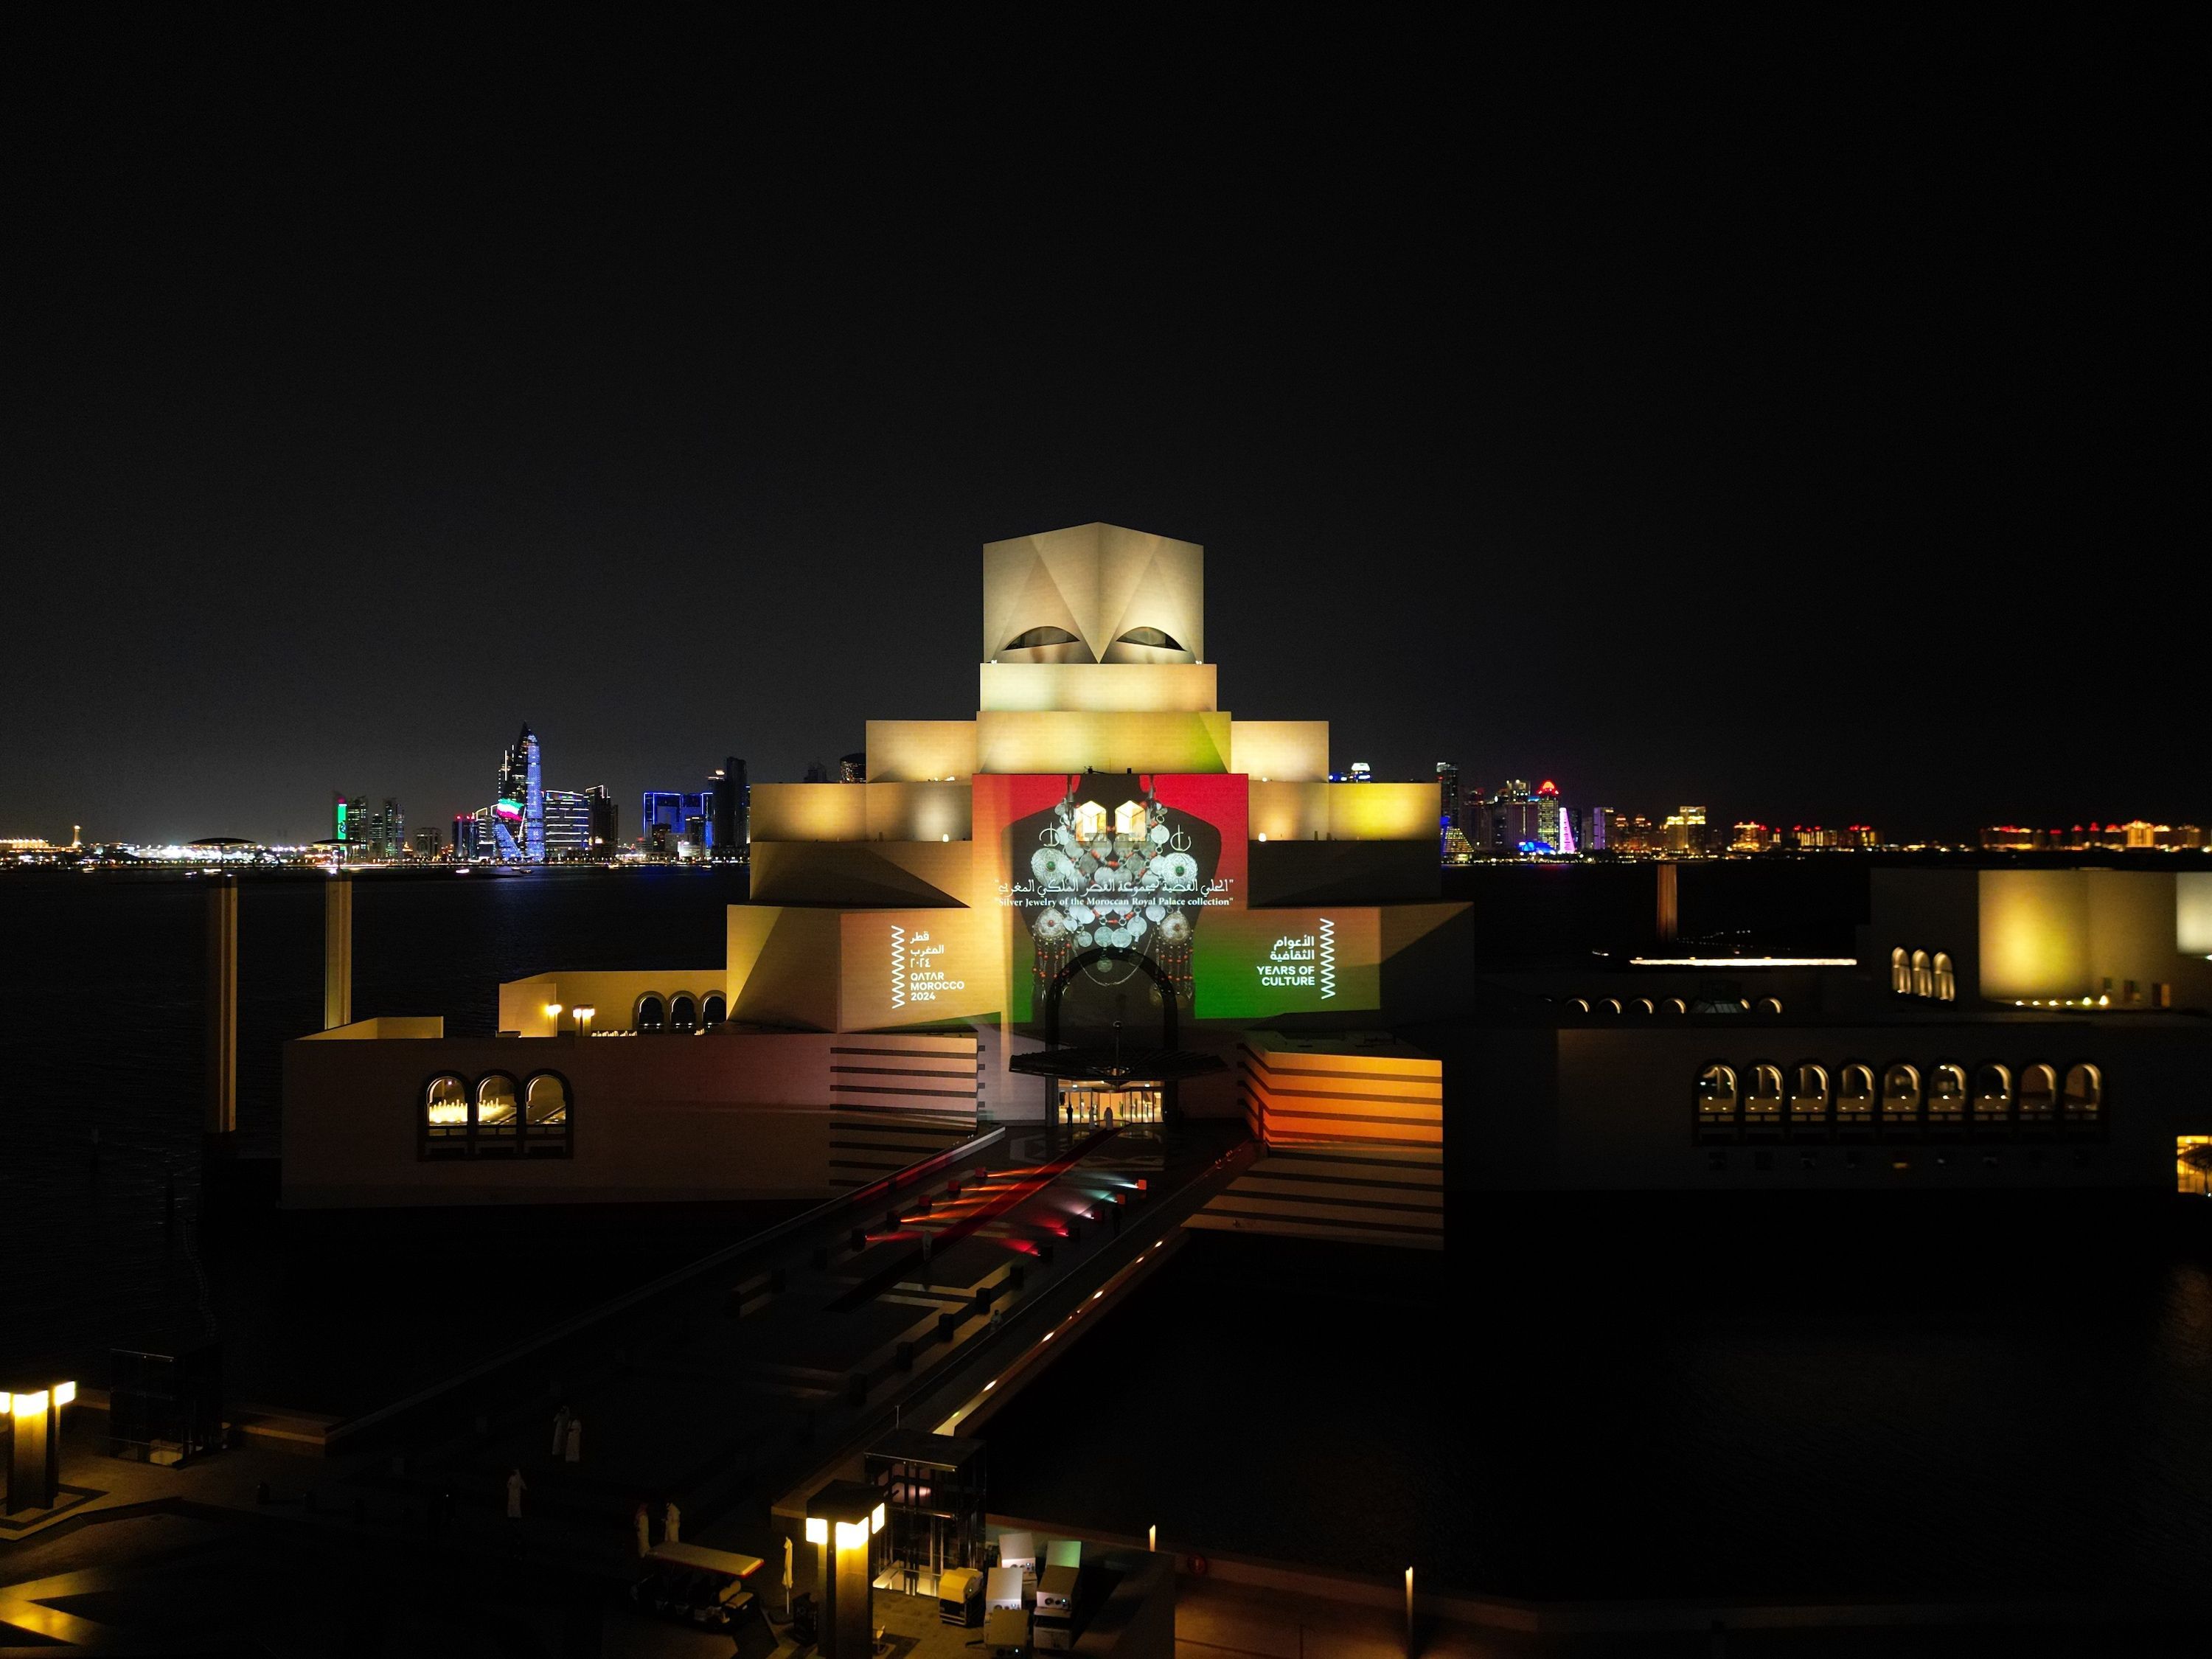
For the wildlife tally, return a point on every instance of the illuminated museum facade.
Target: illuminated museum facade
(1106, 898)
(1102, 855)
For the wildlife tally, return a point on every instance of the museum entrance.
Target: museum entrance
(1099, 1103)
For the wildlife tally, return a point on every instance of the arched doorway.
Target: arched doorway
(1170, 1016)
(1116, 1098)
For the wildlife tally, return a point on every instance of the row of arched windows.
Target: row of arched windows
(1763, 1102)
(1614, 1007)
(1916, 974)
(497, 1116)
(679, 1011)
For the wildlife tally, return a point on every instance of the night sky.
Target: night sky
(1786, 422)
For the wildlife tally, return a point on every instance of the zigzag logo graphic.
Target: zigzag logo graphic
(1328, 959)
(899, 966)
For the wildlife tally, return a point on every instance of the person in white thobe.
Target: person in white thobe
(574, 1449)
(644, 1520)
(672, 1522)
(516, 1485)
(560, 1430)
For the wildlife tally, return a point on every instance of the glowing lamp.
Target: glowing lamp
(34, 1458)
(851, 1512)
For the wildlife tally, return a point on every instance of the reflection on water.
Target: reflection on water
(1659, 1396)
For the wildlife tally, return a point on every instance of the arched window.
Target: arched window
(1610, 1006)
(2084, 1099)
(1151, 637)
(496, 1110)
(1924, 975)
(1577, 1006)
(1947, 980)
(652, 1014)
(683, 1012)
(1855, 1096)
(1717, 1100)
(1035, 637)
(1900, 1096)
(1946, 1094)
(712, 1012)
(1992, 1095)
(2037, 1102)
(1808, 1096)
(1763, 1109)
(545, 1112)
(1674, 1005)
(446, 1109)
(1767, 1006)
(1641, 1006)
(1900, 974)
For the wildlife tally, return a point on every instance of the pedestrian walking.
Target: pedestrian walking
(561, 1430)
(671, 1523)
(574, 1447)
(643, 1521)
(516, 1485)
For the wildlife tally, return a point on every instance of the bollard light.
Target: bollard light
(850, 1513)
(34, 1464)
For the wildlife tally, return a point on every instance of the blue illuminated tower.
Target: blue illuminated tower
(521, 804)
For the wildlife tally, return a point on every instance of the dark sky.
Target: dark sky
(1790, 422)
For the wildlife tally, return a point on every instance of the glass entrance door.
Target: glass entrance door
(1099, 1105)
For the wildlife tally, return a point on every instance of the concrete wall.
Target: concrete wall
(1346, 812)
(1032, 744)
(1368, 1091)
(1158, 688)
(888, 873)
(863, 811)
(611, 996)
(783, 965)
(1929, 910)
(723, 1115)
(2033, 933)
(914, 751)
(1625, 1098)
(1279, 752)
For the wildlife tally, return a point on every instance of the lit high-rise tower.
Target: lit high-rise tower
(521, 804)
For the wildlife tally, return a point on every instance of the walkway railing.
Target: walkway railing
(358, 1433)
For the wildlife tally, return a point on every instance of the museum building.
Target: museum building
(1103, 898)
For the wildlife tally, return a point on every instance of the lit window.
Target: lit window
(496, 1108)
(446, 1109)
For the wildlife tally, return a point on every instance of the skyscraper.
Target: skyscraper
(1686, 831)
(679, 825)
(732, 808)
(1512, 814)
(1547, 815)
(567, 826)
(522, 800)
(605, 826)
